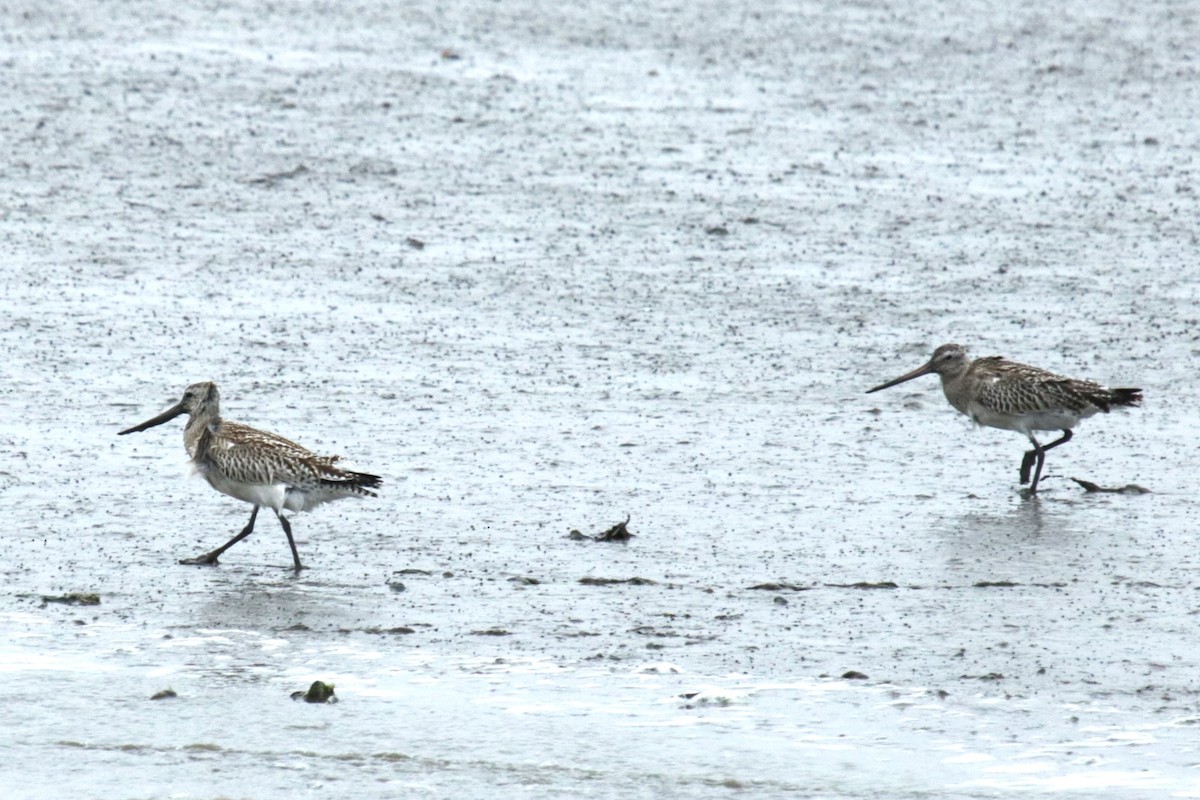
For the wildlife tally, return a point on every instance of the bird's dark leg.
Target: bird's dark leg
(287, 528)
(1066, 437)
(211, 558)
(1032, 455)
(1027, 464)
(1039, 453)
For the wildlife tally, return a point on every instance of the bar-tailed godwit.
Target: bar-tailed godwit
(999, 393)
(256, 466)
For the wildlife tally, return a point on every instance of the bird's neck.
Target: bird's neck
(957, 390)
(197, 435)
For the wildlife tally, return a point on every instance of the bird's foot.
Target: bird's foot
(208, 559)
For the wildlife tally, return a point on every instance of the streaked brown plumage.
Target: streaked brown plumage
(999, 393)
(259, 467)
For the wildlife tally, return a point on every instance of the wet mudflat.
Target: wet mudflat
(545, 269)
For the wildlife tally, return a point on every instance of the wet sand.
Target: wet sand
(544, 268)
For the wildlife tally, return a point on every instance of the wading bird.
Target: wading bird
(999, 393)
(256, 466)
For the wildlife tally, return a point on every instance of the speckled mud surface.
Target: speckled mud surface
(544, 268)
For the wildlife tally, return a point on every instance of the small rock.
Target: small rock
(164, 694)
(319, 692)
(853, 675)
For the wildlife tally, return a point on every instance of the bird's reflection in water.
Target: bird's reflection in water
(1029, 536)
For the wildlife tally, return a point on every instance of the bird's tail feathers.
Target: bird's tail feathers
(360, 483)
(1126, 397)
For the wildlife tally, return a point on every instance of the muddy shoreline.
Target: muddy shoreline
(547, 269)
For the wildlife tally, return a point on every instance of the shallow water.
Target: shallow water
(664, 252)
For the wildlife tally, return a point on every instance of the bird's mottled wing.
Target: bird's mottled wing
(254, 456)
(1014, 389)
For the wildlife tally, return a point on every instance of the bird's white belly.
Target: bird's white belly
(271, 495)
(1050, 420)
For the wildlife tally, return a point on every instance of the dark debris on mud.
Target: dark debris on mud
(617, 533)
(779, 587)
(274, 178)
(396, 585)
(1129, 488)
(865, 585)
(73, 599)
(635, 581)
